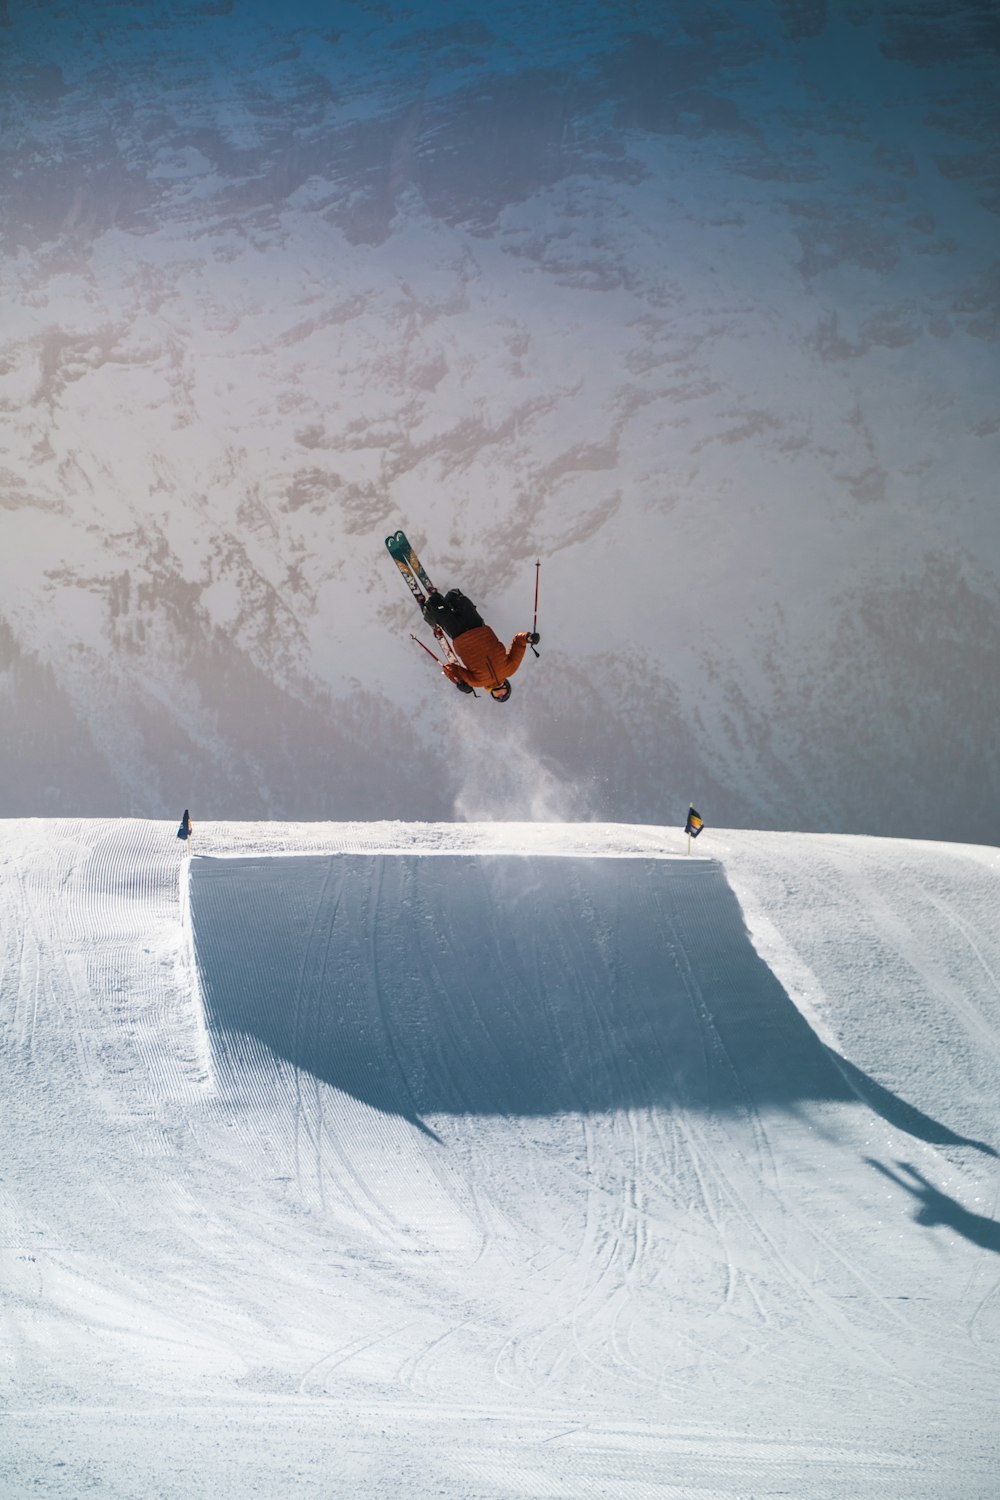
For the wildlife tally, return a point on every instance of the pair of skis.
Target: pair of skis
(420, 586)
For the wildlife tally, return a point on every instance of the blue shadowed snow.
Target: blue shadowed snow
(509, 986)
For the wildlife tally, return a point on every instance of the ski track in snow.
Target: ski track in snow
(497, 1160)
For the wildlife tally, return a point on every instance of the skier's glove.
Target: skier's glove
(464, 687)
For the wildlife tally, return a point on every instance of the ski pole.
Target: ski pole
(430, 653)
(534, 623)
(433, 655)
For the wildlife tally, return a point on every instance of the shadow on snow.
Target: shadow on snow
(444, 984)
(934, 1207)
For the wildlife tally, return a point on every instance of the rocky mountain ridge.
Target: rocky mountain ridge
(702, 314)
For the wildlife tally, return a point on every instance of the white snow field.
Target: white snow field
(497, 1160)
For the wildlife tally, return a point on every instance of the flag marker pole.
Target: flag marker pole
(693, 826)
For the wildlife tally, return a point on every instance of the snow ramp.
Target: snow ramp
(510, 986)
(635, 1178)
(494, 1162)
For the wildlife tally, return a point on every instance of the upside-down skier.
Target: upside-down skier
(481, 660)
(485, 663)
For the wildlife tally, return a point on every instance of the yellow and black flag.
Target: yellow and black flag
(694, 824)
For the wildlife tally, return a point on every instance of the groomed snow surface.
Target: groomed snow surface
(497, 1160)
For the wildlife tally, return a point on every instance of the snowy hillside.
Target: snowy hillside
(698, 306)
(493, 1160)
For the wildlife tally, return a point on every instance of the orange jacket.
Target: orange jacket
(485, 662)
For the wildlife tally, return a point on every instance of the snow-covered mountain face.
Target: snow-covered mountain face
(700, 307)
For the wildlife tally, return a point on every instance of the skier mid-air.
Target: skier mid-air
(474, 654)
(485, 663)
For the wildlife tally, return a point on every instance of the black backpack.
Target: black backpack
(462, 610)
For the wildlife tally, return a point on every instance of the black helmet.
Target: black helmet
(502, 693)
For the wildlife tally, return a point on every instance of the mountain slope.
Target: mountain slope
(703, 315)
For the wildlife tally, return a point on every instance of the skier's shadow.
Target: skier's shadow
(935, 1207)
(520, 986)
